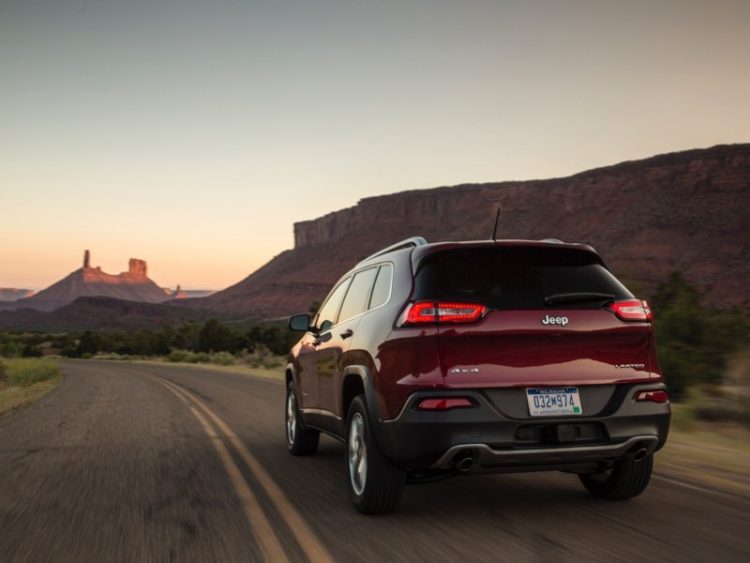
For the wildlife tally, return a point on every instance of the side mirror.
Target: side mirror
(299, 323)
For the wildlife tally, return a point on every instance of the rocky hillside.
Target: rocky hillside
(686, 211)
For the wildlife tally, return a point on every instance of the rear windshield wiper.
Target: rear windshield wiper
(582, 297)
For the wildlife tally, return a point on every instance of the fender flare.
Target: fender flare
(373, 410)
(290, 368)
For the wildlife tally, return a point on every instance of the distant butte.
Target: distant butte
(89, 281)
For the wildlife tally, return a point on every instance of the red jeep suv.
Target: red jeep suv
(433, 360)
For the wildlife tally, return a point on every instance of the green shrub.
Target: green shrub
(271, 363)
(203, 357)
(683, 417)
(709, 403)
(177, 356)
(191, 358)
(86, 356)
(3, 369)
(693, 341)
(23, 372)
(223, 359)
(108, 356)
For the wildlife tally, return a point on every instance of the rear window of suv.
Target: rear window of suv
(515, 277)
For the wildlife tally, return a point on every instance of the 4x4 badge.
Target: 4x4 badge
(547, 320)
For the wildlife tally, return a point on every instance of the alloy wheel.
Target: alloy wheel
(357, 454)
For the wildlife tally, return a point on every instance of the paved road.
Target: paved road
(149, 463)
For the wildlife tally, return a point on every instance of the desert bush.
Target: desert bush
(683, 417)
(203, 357)
(108, 356)
(222, 359)
(177, 356)
(272, 362)
(256, 357)
(710, 403)
(23, 372)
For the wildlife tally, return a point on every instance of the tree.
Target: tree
(187, 336)
(693, 341)
(90, 343)
(215, 337)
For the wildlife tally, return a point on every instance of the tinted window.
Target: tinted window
(515, 277)
(358, 294)
(382, 289)
(328, 315)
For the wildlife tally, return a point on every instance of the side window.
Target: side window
(328, 314)
(382, 290)
(358, 294)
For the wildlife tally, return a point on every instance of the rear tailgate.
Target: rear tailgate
(514, 348)
(522, 342)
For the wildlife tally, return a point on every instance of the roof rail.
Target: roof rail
(406, 243)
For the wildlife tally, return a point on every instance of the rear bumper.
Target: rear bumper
(494, 439)
(485, 456)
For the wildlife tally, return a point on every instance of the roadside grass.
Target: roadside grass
(25, 380)
(713, 454)
(276, 373)
(260, 362)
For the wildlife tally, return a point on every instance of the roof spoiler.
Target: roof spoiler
(406, 243)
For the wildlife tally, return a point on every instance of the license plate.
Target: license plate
(553, 401)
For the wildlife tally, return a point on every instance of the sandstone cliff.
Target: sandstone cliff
(686, 211)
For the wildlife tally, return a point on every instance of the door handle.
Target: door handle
(347, 333)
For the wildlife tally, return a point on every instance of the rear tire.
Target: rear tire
(299, 440)
(627, 479)
(375, 483)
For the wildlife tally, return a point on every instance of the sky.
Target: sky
(194, 134)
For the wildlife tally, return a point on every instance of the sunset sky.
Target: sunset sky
(194, 134)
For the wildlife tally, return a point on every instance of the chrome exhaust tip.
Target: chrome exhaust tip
(464, 461)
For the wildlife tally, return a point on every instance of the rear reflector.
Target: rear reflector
(444, 404)
(442, 311)
(658, 396)
(632, 310)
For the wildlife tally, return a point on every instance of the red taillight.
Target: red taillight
(420, 313)
(442, 311)
(444, 404)
(632, 310)
(657, 396)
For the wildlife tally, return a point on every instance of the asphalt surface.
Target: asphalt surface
(132, 462)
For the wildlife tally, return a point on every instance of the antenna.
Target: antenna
(497, 219)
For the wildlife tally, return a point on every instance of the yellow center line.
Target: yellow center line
(259, 524)
(308, 541)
